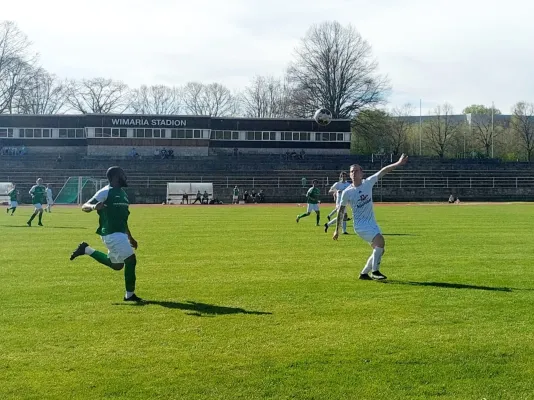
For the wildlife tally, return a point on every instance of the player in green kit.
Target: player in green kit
(235, 195)
(312, 198)
(12, 200)
(38, 193)
(112, 205)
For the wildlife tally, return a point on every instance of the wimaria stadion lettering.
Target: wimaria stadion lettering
(146, 122)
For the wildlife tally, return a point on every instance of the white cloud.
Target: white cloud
(461, 52)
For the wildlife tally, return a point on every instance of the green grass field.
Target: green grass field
(243, 303)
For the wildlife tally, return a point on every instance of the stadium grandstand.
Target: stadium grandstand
(280, 157)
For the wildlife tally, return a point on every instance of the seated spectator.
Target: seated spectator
(185, 198)
(205, 197)
(157, 153)
(245, 196)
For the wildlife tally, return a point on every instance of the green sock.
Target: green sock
(318, 216)
(302, 215)
(101, 258)
(129, 274)
(13, 210)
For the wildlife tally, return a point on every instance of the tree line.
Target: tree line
(479, 131)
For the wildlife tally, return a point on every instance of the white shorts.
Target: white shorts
(367, 232)
(312, 207)
(49, 201)
(38, 206)
(235, 198)
(119, 247)
(13, 204)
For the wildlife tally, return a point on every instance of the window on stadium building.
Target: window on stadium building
(178, 133)
(329, 137)
(6, 132)
(224, 135)
(119, 132)
(31, 133)
(71, 133)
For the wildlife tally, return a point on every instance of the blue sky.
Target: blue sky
(460, 52)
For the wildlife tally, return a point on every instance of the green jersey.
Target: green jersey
(113, 218)
(236, 192)
(12, 195)
(38, 193)
(312, 196)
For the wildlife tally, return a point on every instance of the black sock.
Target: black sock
(32, 218)
(13, 212)
(40, 217)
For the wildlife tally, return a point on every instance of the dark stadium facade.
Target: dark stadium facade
(179, 132)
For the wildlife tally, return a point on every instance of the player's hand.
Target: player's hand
(403, 159)
(133, 242)
(335, 235)
(99, 206)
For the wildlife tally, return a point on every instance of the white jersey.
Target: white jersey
(49, 194)
(339, 187)
(361, 201)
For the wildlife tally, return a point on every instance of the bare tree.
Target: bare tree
(483, 127)
(523, 125)
(441, 129)
(334, 68)
(16, 62)
(157, 99)
(43, 93)
(266, 97)
(214, 100)
(98, 95)
(399, 127)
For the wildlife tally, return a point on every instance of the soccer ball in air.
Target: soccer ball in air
(323, 116)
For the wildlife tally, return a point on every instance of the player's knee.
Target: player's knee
(117, 267)
(131, 260)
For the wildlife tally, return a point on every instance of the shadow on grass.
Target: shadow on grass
(197, 309)
(450, 285)
(46, 226)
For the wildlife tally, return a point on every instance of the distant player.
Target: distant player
(360, 197)
(111, 204)
(235, 195)
(337, 188)
(13, 204)
(38, 194)
(49, 199)
(312, 198)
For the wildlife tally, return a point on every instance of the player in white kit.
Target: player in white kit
(49, 199)
(360, 197)
(337, 188)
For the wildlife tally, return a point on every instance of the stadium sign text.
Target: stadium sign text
(148, 122)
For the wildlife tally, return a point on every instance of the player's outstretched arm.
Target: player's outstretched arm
(89, 206)
(402, 160)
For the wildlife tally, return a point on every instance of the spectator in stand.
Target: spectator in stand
(58, 159)
(245, 196)
(302, 154)
(157, 153)
(261, 197)
(304, 182)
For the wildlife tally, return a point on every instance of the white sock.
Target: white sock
(368, 266)
(377, 257)
(332, 222)
(344, 226)
(129, 294)
(89, 250)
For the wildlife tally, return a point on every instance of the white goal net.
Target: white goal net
(5, 187)
(176, 192)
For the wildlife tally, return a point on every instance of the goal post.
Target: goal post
(79, 189)
(176, 191)
(5, 188)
